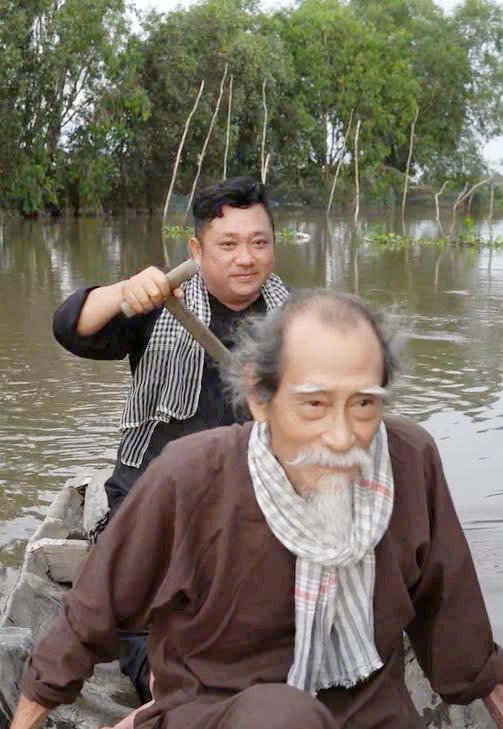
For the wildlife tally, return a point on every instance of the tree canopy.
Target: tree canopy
(93, 106)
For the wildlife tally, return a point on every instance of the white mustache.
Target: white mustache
(321, 456)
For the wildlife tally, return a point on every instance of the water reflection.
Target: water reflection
(58, 412)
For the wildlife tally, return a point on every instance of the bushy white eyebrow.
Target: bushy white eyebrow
(309, 387)
(375, 390)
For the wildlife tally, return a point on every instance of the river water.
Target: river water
(59, 413)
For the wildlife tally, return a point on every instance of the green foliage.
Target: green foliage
(186, 231)
(57, 55)
(188, 46)
(285, 235)
(178, 231)
(92, 112)
(480, 25)
(397, 242)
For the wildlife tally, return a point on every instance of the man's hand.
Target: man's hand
(142, 292)
(494, 705)
(28, 715)
(146, 290)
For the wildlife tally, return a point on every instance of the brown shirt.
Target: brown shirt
(191, 555)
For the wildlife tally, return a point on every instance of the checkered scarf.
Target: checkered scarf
(334, 583)
(167, 381)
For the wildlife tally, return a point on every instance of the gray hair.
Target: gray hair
(255, 366)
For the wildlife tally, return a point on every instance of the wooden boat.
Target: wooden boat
(52, 557)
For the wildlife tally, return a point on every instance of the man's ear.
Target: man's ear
(195, 250)
(258, 408)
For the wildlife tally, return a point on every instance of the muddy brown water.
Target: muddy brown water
(59, 413)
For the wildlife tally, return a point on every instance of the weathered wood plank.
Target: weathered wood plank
(435, 712)
(96, 503)
(15, 645)
(62, 556)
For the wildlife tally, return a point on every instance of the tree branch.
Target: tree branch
(175, 169)
(357, 177)
(206, 141)
(340, 161)
(436, 195)
(263, 169)
(407, 169)
(228, 131)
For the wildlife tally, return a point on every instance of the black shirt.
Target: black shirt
(123, 337)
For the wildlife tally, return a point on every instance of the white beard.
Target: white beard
(331, 501)
(331, 505)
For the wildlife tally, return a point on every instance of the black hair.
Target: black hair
(238, 192)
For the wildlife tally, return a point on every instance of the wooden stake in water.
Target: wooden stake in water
(175, 170)
(228, 131)
(407, 169)
(206, 141)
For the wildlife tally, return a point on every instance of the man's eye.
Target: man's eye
(366, 403)
(227, 244)
(260, 243)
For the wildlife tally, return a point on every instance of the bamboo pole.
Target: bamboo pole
(407, 169)
(437, 269)
(228, 131)
(357, 173)
(198, 330)
(436, 196)
(206, 141)
(175, 170)
(491, 210)
(340, 161)
(266, 168)
(263, 168)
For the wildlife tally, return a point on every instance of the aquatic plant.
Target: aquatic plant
(187, 231)
(178, 231)
(285, 235)
(395, 241)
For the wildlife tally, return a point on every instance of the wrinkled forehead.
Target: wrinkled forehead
(318, 355)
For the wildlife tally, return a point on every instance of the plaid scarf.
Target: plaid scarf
(167, 381)
(334, 583)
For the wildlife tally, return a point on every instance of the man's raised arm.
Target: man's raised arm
(142, 292)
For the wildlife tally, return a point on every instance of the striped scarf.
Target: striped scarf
(334, 583)
(167, 381)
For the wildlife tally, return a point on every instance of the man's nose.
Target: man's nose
(338, 434)
(244, 256)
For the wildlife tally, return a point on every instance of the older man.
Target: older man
(281, 562)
